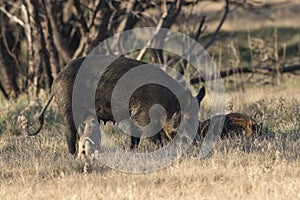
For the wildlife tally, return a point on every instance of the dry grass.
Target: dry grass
(267, 167)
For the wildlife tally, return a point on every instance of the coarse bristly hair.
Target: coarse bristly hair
(89, 138)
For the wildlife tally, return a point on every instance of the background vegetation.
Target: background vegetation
(257, 50)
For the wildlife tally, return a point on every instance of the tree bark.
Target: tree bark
(48, 37)
(34, 49)
(9, 69)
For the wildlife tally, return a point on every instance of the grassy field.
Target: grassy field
(265, 167)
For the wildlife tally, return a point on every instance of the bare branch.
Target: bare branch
(81, 17)
(14, 18)
(129, 9)
(92, 21)
(158, 27)
(200, 29)
(214, 36)
(263, 71)
(167, 19)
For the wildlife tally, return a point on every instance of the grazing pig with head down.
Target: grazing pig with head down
(139, 105)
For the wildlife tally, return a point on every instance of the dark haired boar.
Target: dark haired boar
(140, 102)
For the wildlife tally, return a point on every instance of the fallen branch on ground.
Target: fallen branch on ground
(263, 71)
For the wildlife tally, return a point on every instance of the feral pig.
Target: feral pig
(89, 138)
(238, 121)
(140, 102)
(235, 124)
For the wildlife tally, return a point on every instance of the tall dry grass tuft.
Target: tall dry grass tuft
(263, 167)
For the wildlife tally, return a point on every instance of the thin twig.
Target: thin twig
(200, 29)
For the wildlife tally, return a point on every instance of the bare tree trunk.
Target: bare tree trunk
(55, 14)
(34, 49)
(48, 37)
(9, 69)
(89, 28)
